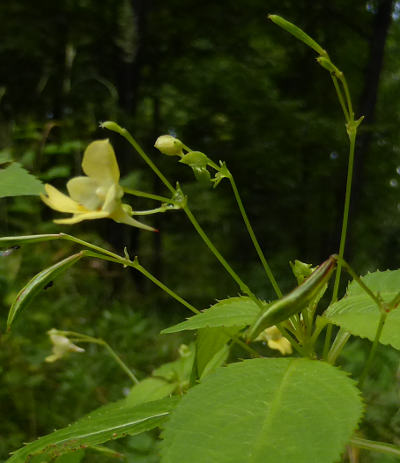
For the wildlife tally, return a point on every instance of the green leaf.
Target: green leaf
(211, 349)
(16, 181)
(109, 422)
(179, 370)
(235, 311)
(38, 282)
(265, 410)
(359, 314)
(148, 390)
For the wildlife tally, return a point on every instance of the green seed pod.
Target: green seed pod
(298, 33)
(295, 301)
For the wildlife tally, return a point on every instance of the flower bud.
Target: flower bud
(169, 145)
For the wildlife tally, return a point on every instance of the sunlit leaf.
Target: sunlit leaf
(359, 314)
(235, 311)
(265, 410)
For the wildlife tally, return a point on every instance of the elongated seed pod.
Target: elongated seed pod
(296, 300)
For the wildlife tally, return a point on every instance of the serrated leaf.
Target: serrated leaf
(265, 410)
(16, 181)
(109, 422)
(235, 311)
(38, 283)
(359, 314)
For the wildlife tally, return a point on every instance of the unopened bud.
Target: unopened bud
(169, 145)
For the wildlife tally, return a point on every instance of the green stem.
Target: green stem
(143, 194)
(123, 132)
(343, 236)
(292, 340)
(358, 280)
(88, 245)
(165, 288)
(135, 264)
(337, 346)
(373, 446)
(78, 337)
(373, 349)
(254, 239)
(243, 287)
(348, 97)
(340, 98)
(116, 128)
(120, 362)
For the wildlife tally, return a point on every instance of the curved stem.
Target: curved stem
(244, 288)
(78, 337)
(337, 346)
(143, 194)
(373, 446)
(343, 236)
(373, 349)
(340, 97)
(254, 239)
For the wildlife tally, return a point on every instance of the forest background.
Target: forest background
(228, 83)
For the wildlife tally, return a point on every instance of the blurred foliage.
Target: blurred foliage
(231, 85)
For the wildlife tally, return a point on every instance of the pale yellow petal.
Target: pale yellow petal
(121, 216)
(112, 201)
(99, 162)
(283, 345)
(59, 201)
(81, 217)
(83, 190)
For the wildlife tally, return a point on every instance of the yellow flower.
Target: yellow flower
(61, 346)
(96, 195)
(275, 340)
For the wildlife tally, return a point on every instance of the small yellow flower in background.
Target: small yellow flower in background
(275, 340)
(96, 196)
(61, 346)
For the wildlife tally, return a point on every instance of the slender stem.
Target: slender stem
(343, 236)
(340, 97)
(254, 239)
(78, 337)
(355, 277)
(373, 349)
(120, 362)
(165, 288)
(374, 446)
(244, 288)
(348, 97)
(337, 346)
(116, 128)
(152, 211)
(144, 156)
(293, 342)
(143, 194)
(88, 245)
(135, 264)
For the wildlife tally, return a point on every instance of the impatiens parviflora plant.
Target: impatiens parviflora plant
(278, 396)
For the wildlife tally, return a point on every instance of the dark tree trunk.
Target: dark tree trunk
(368, 99)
